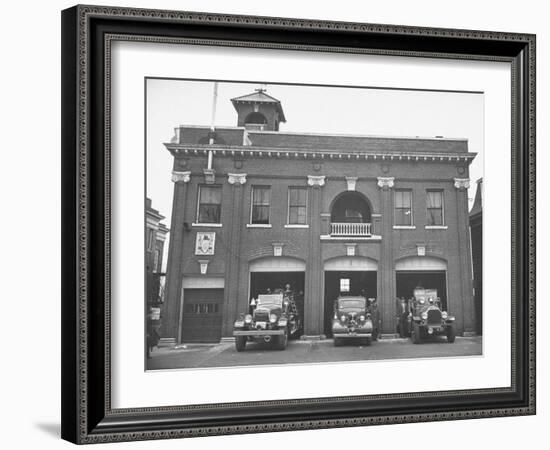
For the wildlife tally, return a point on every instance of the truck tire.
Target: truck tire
(451, 333)
(240, 343)
(416, 334)
(281, 341)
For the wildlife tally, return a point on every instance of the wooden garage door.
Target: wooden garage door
(202, 315)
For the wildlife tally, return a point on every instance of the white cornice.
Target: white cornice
(325, 154)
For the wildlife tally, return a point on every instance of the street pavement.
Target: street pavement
(304, 352)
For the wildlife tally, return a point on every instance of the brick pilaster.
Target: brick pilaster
(386, 272)
(232, 289)
(172, 298)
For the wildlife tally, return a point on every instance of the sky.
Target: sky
(323, 109)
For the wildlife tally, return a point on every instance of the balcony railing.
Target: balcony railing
(351, 229)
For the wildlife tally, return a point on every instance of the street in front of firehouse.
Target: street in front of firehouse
(224, 354)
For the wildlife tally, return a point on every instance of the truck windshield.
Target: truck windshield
(351, 303)
(270, 299)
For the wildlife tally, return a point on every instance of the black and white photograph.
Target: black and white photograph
(304, 224)
(275, 225)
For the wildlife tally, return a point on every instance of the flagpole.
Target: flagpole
(212, 122)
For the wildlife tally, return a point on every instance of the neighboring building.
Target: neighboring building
(476, 230)
(327, 213)
(155, 236)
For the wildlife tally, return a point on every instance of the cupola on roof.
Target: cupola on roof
(258, 111)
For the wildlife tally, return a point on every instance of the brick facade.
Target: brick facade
(374, 167)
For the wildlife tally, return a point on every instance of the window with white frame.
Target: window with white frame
(297, 205)
(434, 207)
(261, 199)
(210, 204)
(403, 214)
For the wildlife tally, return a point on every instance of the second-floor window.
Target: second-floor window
(434, 208)
(297, 205)
(403, 207)
(261, 198)
(210, 204)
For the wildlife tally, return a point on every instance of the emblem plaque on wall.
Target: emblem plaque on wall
(205, 243)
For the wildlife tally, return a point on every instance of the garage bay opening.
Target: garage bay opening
(271, 282)
(346, 283)
(407, 281)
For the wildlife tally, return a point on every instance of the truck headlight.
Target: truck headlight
(362, 318)
(444, 314)
(273, 318)
(424, 315)
(248, 318)
(343, 318)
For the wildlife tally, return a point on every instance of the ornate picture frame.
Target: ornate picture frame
(88, 33)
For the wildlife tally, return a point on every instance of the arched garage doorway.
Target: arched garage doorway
(347, 275)
(270, 273)
(423, 271)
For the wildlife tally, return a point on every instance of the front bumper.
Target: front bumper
(435, 329)
(258, 333)
(352, 330)
(351, 335)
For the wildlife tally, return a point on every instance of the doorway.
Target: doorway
(266, 282)
(340, 282)
(407, 281)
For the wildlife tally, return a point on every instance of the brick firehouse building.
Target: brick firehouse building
(255, 208)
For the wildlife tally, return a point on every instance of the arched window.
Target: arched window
(255, 117)
(350, 207)
(256, 121)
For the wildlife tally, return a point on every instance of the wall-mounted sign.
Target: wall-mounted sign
(205, 243)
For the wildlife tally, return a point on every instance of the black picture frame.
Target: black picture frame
(87, 416)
